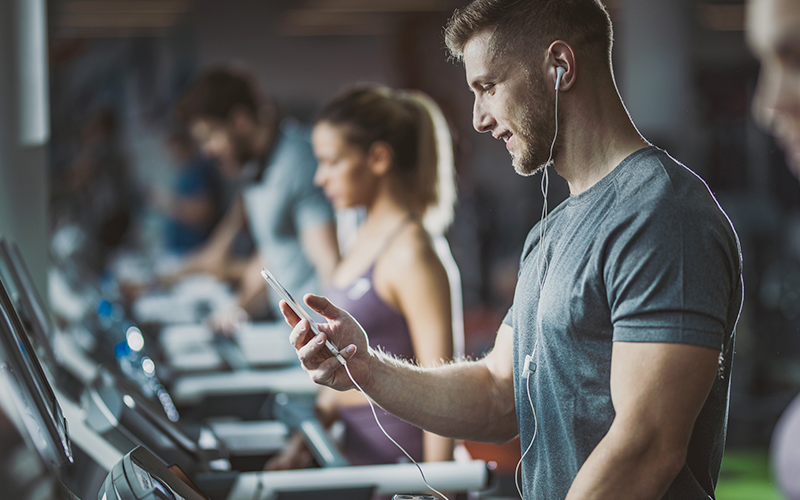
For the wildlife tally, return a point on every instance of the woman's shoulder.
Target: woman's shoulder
(413, 243)
(410, 260)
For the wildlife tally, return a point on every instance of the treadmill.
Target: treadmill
(306, 484)
(115, 407)
(36, 444)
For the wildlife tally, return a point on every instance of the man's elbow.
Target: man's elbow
(660, 452)
(500, 431)
(673, 458)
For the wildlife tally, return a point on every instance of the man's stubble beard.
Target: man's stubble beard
(537, 128)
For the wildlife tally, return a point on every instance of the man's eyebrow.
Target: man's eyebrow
(478, 80)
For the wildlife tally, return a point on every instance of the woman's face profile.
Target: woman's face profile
(343, 170)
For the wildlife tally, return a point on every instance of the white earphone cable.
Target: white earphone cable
(541, 276)
(374, 414)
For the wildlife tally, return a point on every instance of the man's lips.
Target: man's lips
(507, 137)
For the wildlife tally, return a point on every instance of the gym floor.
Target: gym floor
(745, 475)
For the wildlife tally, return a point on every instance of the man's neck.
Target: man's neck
(597, 137)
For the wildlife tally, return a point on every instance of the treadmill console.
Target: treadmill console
(141, 476)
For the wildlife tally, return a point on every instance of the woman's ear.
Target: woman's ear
(379, 158)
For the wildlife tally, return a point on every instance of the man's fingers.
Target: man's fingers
(348, 352)
(299, 336)
(311, 354)
(288, 314)
(322, 305)
(324, 372)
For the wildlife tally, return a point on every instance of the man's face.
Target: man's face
(223, 142)
(511, 104)
(773, 32)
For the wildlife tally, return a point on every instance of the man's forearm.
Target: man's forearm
(459, 400)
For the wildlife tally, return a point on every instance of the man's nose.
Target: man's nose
(481, 119)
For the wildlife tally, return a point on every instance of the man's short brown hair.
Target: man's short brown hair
(520, 26)
(217, 92)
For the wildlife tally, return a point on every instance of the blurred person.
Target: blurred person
(291, 221)
(773, 33)
(390, 152)
(613, 363)
(192, 207)
(99, 185)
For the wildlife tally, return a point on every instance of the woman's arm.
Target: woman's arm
(415, 282)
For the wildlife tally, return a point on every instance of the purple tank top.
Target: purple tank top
(364, 443)
(387, 329)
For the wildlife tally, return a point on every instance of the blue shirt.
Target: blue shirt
(284, 204)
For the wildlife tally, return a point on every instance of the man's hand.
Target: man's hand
(343, 331)
(229, 320)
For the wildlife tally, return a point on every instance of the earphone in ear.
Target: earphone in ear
(559, 73)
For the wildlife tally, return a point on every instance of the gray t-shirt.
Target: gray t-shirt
(644, 255)
(284, 204)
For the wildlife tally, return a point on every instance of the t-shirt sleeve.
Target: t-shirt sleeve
(312, 209)
(670, 276)
(508, 320)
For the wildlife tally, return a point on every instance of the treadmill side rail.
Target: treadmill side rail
(387, 479)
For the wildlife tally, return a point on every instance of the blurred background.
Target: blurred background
(97, 80)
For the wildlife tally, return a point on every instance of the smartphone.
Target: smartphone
(415, 497)
(299, 310)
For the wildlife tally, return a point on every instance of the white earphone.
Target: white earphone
(559, 73)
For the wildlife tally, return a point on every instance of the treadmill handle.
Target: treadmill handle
(298, 415)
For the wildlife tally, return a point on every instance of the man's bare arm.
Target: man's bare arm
(211, 258)
(466, 400)
(657, 390)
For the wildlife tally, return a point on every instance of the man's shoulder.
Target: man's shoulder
(293, 149)
(295, 130)
(656, 173)
(655, 182)
(663, 202)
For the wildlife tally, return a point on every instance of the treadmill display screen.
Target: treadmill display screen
(24, 365)
(16, 273)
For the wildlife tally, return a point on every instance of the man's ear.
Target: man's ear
(241, 120)
(380, 157)
(560, 54)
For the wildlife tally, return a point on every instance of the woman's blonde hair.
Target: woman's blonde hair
(413, 126)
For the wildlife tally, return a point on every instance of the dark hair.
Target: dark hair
(413, 126)
(217, 92)
(532, 25)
